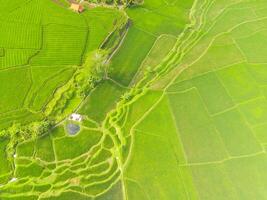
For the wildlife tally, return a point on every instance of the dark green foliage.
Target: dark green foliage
(17, 133)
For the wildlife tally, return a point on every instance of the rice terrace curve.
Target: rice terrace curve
(133, 99)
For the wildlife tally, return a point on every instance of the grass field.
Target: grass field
(180, 112)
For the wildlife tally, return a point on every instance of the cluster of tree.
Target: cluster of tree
(86, 82)
(118, 2)
(18, 133)
(90, 74)
(77, 89)
(29, 131)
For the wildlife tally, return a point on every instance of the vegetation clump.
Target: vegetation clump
(19, 133)
(123, 3)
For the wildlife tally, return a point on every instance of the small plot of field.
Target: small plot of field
(157, 53)
(42, 45)
(45, 82)
(166, 19)
(101, 22)
(8, 7)
(53, 13)
(18, 35)
(233, 179)
(201, 140)
(256, 41)
(213, 93)
(62, 45)
(234, 129)
(16, 57)
(239, 83)
(15, 85)
(138, 110)
(221, 53)
(5, 165)
(2, 52)
(71, 147)
(26, 12)
(128, 59)
(146, 176)
(101, 100)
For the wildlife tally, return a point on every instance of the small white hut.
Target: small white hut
(76, 117)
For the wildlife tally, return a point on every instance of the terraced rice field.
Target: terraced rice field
(179, 110)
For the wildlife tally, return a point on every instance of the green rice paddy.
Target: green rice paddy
(172, 96)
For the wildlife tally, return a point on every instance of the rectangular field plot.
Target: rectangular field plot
(239, 83)
(16, 57)
(101, 100)
(201, 141)
(34, 170)
(29, 12)
(260, 133)
(26, 149)
(71, 147)
(18, 82)
(160, 49)
(258, 72)
(62, 45)
(124, 64)
(168, 19)
(5, 165)
(212, 182)
(219, 55)
(189, 110)
(21, 116)
(236, 134)
(255, 111)
(211, 55)
(154, 172)
(255, 47)
(56, 14)
(231, 179)
(157, 53)
(213, 93)
(168, 129)
(44, 149)
(19, 35)
(6, 8)
(41, 75)
(2, 52)
(45, 86)
(181, 86)
(248, 176)
(139, 108)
